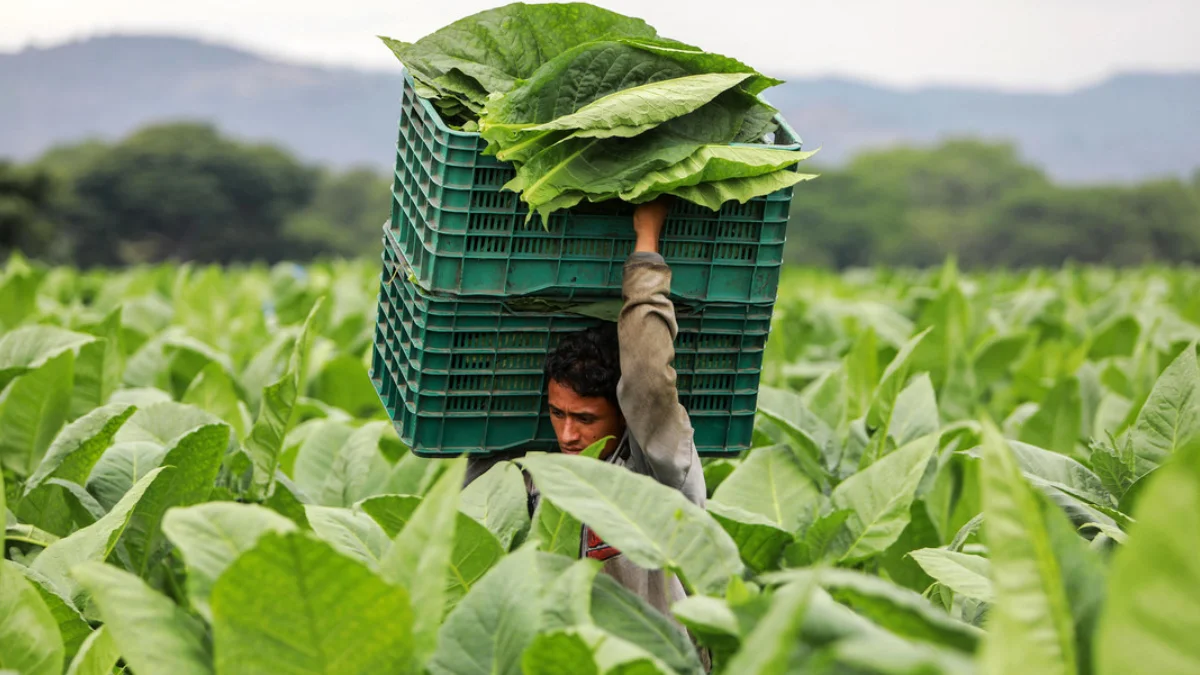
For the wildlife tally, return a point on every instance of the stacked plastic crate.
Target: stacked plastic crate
(472, 297)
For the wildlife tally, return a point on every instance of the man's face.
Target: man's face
(580, 421)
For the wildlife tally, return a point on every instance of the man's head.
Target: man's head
(583, 372)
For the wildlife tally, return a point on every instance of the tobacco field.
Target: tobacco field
(953, 472)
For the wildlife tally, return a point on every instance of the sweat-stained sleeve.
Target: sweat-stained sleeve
(649, 400)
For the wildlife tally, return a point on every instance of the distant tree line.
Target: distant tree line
(979, 202)
(186, 192)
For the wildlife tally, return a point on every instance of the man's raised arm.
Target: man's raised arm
(647, 393)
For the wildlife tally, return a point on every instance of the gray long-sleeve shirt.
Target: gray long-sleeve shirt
(658, 440)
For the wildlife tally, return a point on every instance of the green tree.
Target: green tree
(25, 194)
(184, 192)
(979, 202)
(345, 216)
(1170, 213)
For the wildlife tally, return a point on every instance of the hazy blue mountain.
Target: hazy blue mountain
(1129, 127)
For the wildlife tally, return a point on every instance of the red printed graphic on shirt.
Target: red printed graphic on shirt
(595, 548)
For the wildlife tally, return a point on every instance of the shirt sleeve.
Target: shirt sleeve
(647, 393)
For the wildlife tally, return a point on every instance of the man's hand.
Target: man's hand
(648, 222)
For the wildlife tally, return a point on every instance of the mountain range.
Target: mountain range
(1127, 128)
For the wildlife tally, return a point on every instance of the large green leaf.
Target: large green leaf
(29, 347)
(77, 448)
(760, 542)
(993, 359)
(122, 465)
(70, 457)
(915, 413)
(1153, 611)
(899, 610)
(498, 500)
(567, 598)
(476, 550)
(1083, 577)
(557, 652)
(967, 575)
(489, 629)
(855, 644)
(921, 532)
(93, 543)
(29, 638)
(556, 530)
(861, 364)
(72, 627)
(611, 165)
(1117, 337)
(771, 483)
(214, 392)
(892, 382)
(1057, 423)
(495, 48)
(392, 512)
(1045, 468)
(358, 470)
(265, 441)
(99, 366)
(97, 655)
(808, 434)
(873, 655)
(654, 525)
(320, 443)
(1116, 467)
(211, 536)
(352, 533)
(767, 649)
(711, 620)
(162, 423)
(822, 540)
(879, 500)
(419, 557)
(715, 193)
(628, 616)
(293, 604)
(18, 291)
(610, 88)
(153, 634)
(613, 84)
(413, 475)
(588, 649)
(1031, 607)
(1171, 415)
(343, 382)
(196, 458)
(32, 410)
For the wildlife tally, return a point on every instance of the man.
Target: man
(620, 383)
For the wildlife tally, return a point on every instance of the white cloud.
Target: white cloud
(1046, 44)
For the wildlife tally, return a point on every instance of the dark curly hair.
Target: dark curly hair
(589, 362)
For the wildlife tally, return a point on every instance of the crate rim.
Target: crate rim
(683, 307)
(789, 134)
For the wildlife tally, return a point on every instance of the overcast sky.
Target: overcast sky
(1012, 44)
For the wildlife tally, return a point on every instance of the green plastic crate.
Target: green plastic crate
(464, 375)
(463, 234)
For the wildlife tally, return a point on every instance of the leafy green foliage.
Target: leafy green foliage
(1154, 608)
(1031, 605)
(655, 526)
(151, 632)
(881, 525)
(336, 616)
(604, 110)
(28, 633)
